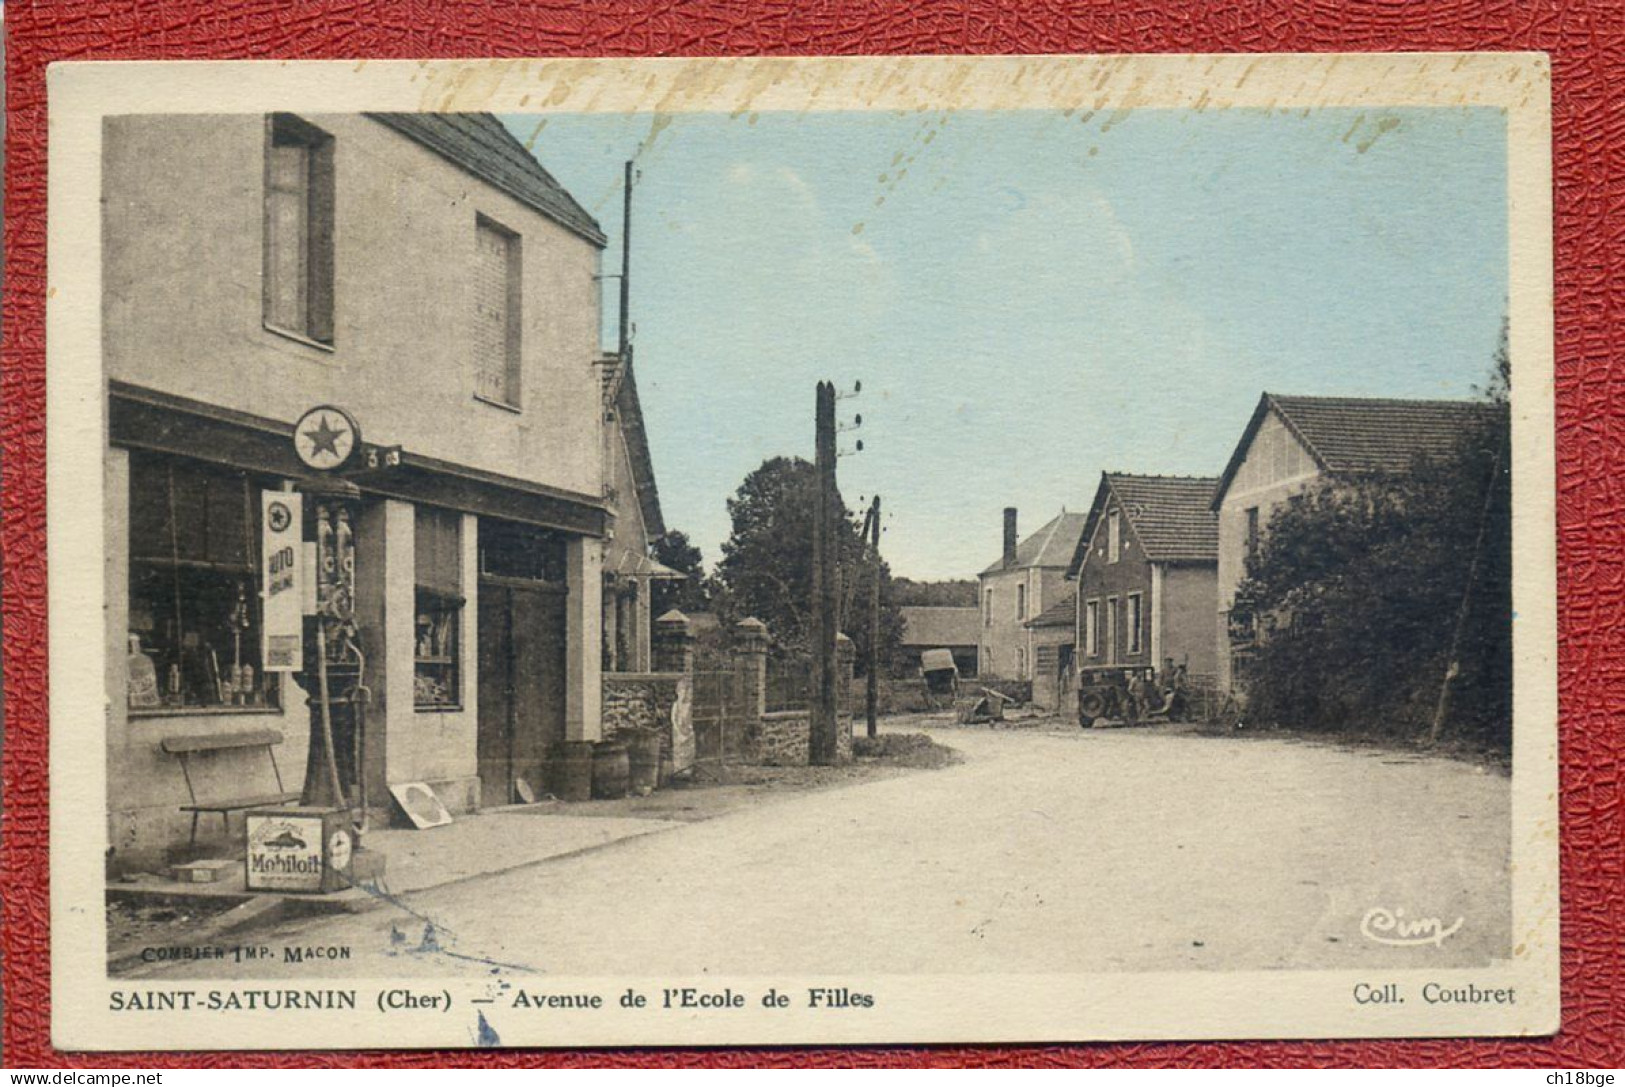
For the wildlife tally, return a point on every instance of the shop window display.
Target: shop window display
(437, 634)
(194, 620)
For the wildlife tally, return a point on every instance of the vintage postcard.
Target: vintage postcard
(754, 551)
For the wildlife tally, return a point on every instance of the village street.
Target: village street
(1045, 850)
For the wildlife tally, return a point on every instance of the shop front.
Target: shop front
(475, 599)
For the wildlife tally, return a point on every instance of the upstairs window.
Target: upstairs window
(987, 610)
(1021, 601)
(496, 314)
(1252, 532)
(298, 271)
(1114, 536)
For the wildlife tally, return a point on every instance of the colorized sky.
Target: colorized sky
(1029, 297)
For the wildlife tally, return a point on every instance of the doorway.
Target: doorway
(522, 680)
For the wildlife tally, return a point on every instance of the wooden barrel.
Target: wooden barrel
(611, 770)
(645, 762)
(575, 774)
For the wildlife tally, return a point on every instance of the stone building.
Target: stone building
(1145, 571)
(1029, 576)
(426, 278)
(1289, 444)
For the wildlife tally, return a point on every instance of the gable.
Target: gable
(1275, 455)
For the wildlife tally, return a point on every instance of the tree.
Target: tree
(960, 593)
(691, 595)
(766, 566)
(1385, 602)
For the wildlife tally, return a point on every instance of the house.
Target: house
(635, 523)
(1146, 572)
(424, 278)
(1289, 444)
(1029, 576)
(954, 629)
(1052, 632)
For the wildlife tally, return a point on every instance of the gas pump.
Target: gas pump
(318, 844)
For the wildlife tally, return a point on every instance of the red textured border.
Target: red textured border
(1586, 39)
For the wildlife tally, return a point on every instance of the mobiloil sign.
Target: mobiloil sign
(299, 849)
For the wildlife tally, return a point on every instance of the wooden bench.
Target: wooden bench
(185, 748)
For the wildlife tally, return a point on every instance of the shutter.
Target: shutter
(320, 289)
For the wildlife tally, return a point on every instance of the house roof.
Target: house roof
(622, 393)
(1062, 613)
(1051, 545)
(1171, 516)
(938, 627)
(483, 146)
(1350, 435)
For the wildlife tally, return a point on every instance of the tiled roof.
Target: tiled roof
(480, 144)
(1171, 516)
(1062, 613)
(1051, 545)
(940, 627)
(1349, 434)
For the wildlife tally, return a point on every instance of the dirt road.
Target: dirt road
(1044, 851)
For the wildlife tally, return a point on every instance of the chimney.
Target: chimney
(1009, 536)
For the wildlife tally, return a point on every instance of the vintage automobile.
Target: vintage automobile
(1129, 694)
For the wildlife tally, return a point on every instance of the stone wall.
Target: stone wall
(781, 739)
(640, 700)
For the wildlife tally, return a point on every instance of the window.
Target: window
(437, 623)
(496, 314)
(1021, 663)
(1114, 536)
(1111, 630)
(1252, 532)
(1091, 629)
(194, 625)
(1021, 601)
(1135, 621)
(298, 271)
(987, 609)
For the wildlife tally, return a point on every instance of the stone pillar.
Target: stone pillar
(750, 663)
(673, 643)
(846, 654)
(584, 685)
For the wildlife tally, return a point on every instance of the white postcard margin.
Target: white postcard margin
(935, 1008)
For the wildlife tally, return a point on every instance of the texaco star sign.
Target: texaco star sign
(326, 438)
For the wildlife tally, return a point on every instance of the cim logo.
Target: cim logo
(1391, 927)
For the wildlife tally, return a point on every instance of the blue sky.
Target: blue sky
(1030, 297)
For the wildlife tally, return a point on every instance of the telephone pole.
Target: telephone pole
(821, 740)
(872, 691)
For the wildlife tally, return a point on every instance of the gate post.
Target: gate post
(673, 643)
(846, 654)
(750, 668)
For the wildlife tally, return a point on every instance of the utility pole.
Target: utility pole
(872, 693)
(626, 269)
(821, 740)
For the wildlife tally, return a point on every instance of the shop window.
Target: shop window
(438, 619)
(512, 550)
(298, 276)
(497, 273)
(194, 622)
